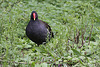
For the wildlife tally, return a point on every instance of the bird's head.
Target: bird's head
(34, 15)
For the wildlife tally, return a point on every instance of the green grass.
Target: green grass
(66, 18)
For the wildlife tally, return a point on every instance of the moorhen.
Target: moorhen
(37, 30)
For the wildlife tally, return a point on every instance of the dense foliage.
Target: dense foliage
(76, 26)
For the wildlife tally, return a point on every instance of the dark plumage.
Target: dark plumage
(37, 30)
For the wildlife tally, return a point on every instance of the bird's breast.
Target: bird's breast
(38, 30)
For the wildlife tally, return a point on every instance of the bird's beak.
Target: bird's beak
(34, 16)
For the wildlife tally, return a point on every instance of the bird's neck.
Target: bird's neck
(34, 20)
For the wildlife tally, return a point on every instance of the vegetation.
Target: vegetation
(76, 26)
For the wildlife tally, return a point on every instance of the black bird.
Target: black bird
(37, 30)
